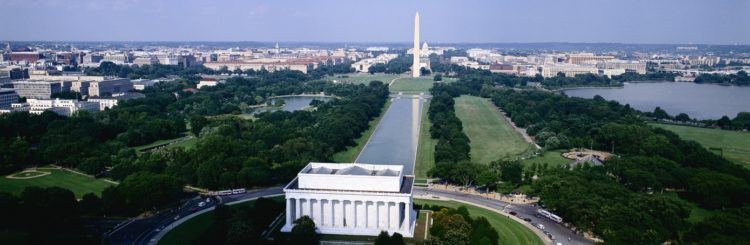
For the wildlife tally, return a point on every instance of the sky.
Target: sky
(443, 21)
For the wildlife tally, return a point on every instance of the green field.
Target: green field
(510, 231)
(350, 154)
(362, 78)
(79, 184)
(426, 148)
(551, 158)
(411, 85)
(162, 142)
(734, 145)
(492, 137)
(191, 230)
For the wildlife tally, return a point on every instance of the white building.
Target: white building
(209, 82)
(111, 101)
(352, 199)
(61, 107)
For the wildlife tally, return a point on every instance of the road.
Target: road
(146, 230)
(559, 232)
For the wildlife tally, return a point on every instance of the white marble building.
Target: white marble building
(352, 199)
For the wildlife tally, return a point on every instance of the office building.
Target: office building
(34, 89)
(7, 97)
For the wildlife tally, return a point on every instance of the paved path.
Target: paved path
(559, 233)
(149, 230)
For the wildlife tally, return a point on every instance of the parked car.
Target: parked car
(527, 219)
(201, 204)
(513, 213)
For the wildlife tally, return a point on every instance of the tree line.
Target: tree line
(649, 189)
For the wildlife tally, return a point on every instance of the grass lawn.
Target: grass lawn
(362, 78)
(187, 144)
(191, 230)
(426, 147)
(551, 158)
(411, 85)
(697, 214)
(159, 142)
(492, 137)
(77, 183)
(510, 231)
(735, 145)
(350, 154)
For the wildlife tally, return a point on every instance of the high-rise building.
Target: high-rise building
(415, 72)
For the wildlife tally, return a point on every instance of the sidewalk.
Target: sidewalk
(516, 199)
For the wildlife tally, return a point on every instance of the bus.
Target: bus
(549, 215)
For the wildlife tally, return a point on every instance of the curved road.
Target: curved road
(558, 232)
(149, 230)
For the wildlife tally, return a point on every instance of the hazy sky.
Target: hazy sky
(625, 21)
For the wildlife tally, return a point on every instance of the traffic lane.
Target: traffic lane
(138, 229)
(558, 231)
(189, 208)
(193, 206)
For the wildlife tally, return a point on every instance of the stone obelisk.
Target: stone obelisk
(415, 72)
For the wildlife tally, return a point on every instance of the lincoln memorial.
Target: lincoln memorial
(352, 199)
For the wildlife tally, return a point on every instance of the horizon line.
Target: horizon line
(373, 42)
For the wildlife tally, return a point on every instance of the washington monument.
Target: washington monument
(415, 72)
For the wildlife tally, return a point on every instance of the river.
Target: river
(701, 101)
(395, 139)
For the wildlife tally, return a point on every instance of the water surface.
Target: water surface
(702, 101)
(395, 140)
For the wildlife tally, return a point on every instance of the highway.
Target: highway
(559, 233)
(149, 229)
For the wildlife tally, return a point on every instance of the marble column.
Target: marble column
(289, 218)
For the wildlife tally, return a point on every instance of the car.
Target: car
(208, 199)
(540, 226)
(513, 213)
(527, 219)
(177, 217)
(201, 204)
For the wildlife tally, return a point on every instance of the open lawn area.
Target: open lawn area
(411, 85)
(362, 78)
(51, 176)
(350, 154)
(510, 231)
(734, 145)
(191, 230)
(492, 137)
(426, 148)
(551, 158)
(168, 142)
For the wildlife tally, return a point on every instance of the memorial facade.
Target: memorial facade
(352, 199)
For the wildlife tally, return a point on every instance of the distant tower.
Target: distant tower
(415, 64)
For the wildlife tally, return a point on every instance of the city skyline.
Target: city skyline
(581, 21)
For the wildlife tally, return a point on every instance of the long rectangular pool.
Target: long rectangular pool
(396, 137)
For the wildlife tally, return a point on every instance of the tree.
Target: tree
(303, 231)
(450, 229)
(437, 77)
(197, 123)
(682, 117)
(90, 204)
(147, 191)
(383, 238)
(487, 178)
(724, 122)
